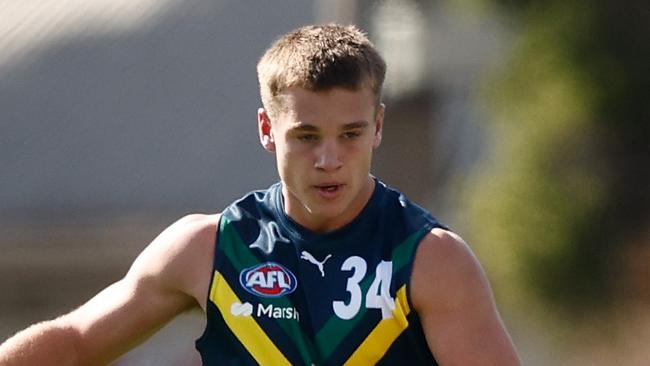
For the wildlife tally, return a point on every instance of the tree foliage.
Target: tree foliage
(566, 186)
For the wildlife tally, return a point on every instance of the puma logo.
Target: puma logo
(310, 258)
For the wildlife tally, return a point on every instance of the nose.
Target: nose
(328, 156)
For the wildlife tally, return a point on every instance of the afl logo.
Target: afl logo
(268, 279)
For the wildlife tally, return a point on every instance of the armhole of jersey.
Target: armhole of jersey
(214, 261)
(409, 269)
(208, 324)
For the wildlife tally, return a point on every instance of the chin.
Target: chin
(331, 212)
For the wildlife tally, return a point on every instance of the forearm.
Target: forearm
(47, 343)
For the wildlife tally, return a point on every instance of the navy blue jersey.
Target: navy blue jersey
(284, 295)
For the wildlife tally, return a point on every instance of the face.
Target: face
(323, 142)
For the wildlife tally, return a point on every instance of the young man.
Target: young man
(327, 267)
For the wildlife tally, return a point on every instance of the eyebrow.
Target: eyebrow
(355, 125)
(305, 127)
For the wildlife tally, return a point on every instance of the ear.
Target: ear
(265, 131)
(379, 124)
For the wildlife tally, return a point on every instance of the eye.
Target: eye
(351, 135)
(308, 137)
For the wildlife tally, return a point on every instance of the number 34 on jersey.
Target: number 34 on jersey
(377, 296)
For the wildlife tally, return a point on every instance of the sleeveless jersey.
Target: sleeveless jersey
(284, 295)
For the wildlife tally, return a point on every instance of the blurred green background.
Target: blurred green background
(521, 124)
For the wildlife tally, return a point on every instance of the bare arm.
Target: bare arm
(170, 276)
(453, 298)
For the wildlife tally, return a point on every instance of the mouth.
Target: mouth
(329, 190)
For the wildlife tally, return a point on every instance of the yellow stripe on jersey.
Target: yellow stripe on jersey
(245, 328)
(385, 333)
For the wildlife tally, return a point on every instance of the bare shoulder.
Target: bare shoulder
(190, 233)
(188, 237)
(180, 258)
(193, 224)
(444, 263)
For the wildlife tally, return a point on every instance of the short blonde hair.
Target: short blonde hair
(318, 58)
